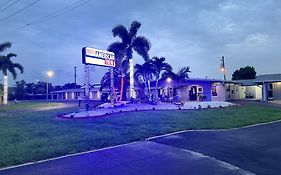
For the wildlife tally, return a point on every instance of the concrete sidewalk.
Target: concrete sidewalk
(143, 158)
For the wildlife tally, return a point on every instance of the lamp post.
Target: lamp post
(223, 68)
(49, 74)
(168, 80)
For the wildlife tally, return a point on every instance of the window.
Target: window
(214, 90)
(228, 88)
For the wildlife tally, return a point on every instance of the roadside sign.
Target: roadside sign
(98, 57)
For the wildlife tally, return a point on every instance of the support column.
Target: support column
(264, 91)
(112, 87)
(86, 77)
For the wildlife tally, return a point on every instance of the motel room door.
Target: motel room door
(193, 93)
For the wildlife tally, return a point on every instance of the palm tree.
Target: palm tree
(144, 74)
(160, 65)
(124, 50)
(105, 81)
(6, 65)
(181, 75)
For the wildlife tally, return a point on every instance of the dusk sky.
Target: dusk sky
(188, 33)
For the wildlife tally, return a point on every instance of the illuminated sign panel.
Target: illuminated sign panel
(98, 57)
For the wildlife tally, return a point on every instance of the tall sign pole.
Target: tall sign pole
(87, 92)
(92, 56)
(112, 87)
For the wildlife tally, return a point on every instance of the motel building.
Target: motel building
(242, 90)
(263, 88)
(75, 94)
(193, 89)
(271, 86)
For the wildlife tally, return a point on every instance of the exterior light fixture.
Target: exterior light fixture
(50, 74)
(169, 80)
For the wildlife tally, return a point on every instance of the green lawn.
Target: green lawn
(25, 106)
(33, 136)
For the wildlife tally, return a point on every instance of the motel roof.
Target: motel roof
(268, 78)
(249, 82)
(163, 82)
(74, 90)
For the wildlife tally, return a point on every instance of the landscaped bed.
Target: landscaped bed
(30, 136)
(106, 109)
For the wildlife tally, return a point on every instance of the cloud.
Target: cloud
(187, 33)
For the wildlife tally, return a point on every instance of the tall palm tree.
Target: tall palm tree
(144, 74)
(160, 65)
(124, 50)
(6, 65)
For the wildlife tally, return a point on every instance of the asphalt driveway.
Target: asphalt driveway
(253, 150)
(140, 158)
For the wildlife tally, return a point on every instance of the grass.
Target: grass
(12, 107)
(30, 136)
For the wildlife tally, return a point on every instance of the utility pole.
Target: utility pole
(75, 75)
(223, 68)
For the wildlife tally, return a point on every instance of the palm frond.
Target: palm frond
(19, 66)
(121, 32)
(135, 25)
(10, 55)
(4, 67)
(4, 46)
(118, 49)
(12, 70)
(141, 45)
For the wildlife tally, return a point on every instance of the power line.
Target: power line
(5, 8)
(20, 10)
(59, 12)
(4, 3)
(52, 15)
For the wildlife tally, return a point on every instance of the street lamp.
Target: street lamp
(49, 74)
(168, 80)
(223, 68)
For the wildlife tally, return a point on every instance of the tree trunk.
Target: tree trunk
(121, 88)
(149, 90)
(132, 80)
(156, 89)
(5, 97)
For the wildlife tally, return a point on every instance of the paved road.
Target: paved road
(141, 158)
(254, 150)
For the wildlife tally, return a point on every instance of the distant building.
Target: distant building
(242, 89)
(75, 94)
(271, 86)
(264, 87)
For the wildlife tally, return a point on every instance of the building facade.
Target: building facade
(192, 90)
(75, 94)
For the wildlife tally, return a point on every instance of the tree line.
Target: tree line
(32, 91)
